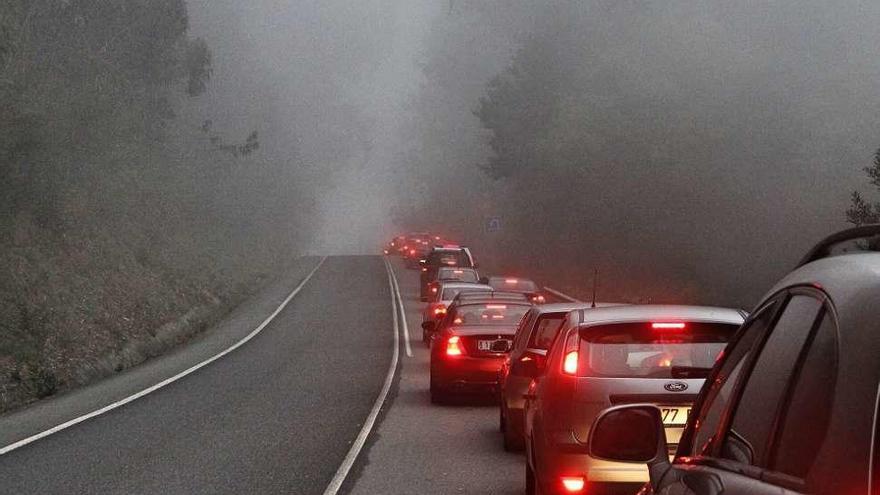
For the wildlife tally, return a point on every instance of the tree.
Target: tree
(861, 212)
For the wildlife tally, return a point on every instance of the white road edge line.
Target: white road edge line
(351, 457)
(402, 312)
(562, 295)
(167, 381)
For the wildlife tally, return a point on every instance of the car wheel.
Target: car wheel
(512, 442)
(531, 486)
(501, 424)
(438, 395)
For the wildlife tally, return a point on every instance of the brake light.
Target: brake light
(405, 248)
(452, 346)
(457, 320)
(510, 281)
(668, 326)
(424, 269)
(439, 310)
(570, 363)
(412, 251)
(573, 484)
(538, 299)
(458, 272)
(496, 306)
(434, 290)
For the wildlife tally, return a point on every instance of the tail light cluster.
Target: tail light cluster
(439, 311)
(454, 346)
(571, 357)
(539, 299)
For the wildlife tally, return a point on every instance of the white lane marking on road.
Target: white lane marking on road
(402, 312)
(167, 381)
(351, 457)
(562, 295)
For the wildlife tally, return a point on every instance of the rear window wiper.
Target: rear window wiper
(690, 372)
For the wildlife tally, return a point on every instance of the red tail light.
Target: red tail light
(539, 299)
(424, 269)
(668, 325)
(571, 357)
(453, 347)
(573, 484)
(570, 363)
(434, 290)
(412, 251)
(439, 311)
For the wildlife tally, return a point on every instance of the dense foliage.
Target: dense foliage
(120, 214)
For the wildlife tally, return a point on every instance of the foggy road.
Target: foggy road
(277, 415)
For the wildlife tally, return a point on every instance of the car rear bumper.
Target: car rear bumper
(466, 374)
(593, 470)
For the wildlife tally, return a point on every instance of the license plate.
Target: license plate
(485, 345)
(675, 416)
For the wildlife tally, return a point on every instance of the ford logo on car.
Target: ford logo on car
(676, 386)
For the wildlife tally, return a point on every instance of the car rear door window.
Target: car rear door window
(747, 439)
(805, 420)
(546, 328)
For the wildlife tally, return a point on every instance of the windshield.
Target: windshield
(449, 258)
(489, 314)
(643, 350)
(449, 294)
(463, 275)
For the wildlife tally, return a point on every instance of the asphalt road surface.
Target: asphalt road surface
(279, 414)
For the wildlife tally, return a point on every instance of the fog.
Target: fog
(690, 152)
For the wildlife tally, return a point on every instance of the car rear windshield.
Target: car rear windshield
(449, 294)
(651, 349)
(449, 258)
(513, 284)
(464, 275)
(501, 313)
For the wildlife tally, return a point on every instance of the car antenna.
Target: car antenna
(595, 277)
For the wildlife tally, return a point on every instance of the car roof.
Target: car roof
(845, 277)
(489, 300)
(646, 312)
(511, 277)
(513, 296)
(561, 307)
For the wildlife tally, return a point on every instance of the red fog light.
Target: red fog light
(573, 484)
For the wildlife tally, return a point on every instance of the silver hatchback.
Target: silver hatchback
(610, 356)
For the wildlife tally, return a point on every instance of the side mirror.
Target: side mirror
(484, 280)
(631, 433)
(429, 325)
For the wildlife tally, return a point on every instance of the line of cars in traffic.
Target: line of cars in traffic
(610, 398)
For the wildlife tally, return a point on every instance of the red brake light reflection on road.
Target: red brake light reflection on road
(452, 348)
(570, 363)
(668, 326)
(573, 484)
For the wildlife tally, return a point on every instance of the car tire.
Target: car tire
(438, 396)
(501, 423)
(512, 443)
(531, 486)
